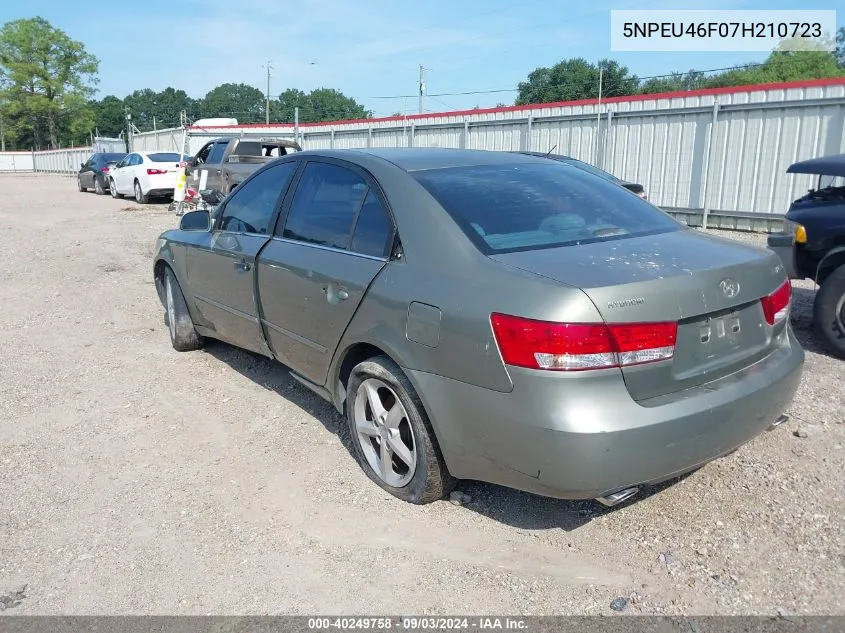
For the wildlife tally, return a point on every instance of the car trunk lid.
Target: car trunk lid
(712, 287)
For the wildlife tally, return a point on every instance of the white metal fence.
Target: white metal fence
(16, 161)
(722, 151)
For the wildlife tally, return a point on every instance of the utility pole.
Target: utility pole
(128, 128)
(422, 86)
(2, 135)
(269, 67)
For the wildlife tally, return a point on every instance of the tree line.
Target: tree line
(48, 86)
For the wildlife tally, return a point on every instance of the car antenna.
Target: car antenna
(554, 147)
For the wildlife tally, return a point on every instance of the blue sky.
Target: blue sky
(365, 48)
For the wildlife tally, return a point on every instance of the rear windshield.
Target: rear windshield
(593, 170)
(112, 158)
(164, 158)
(516, 207)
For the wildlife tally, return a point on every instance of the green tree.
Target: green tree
(46, 79)
(692, 80)
(322, 104)
(109, 116)
(840, 47)
(245, 103)
(155, 110)
(573, 79)
(781, 66)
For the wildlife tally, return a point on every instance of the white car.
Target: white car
(145, 175)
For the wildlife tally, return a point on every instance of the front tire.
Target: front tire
(393, 439)
(79, 185)
(183, 334)
(113, 190)
(829, 312)
(140, 196)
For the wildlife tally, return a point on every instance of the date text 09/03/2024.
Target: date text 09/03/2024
(416, 623)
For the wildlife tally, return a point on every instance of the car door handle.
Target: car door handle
(342, 294)
(243, 266)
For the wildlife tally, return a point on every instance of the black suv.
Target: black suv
(94, 173)
(812, 245)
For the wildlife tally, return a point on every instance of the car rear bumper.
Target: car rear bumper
(161, 185)
(784, 246)
(586, 438)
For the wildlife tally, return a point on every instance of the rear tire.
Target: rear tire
(427, 478)
(140, 196)
(829, 312)
(183, 334)
(113, 190)
(98, 188)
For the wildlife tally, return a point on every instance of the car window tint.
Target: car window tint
(164, 157)
(325, 204)
(524, 206)
(252, 204)
(372, 229)
(202, 156)
(217, 151)
(593, 170)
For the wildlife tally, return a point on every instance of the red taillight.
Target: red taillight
(105, 170)
(579, 346)
(776, 305)
(155, 172)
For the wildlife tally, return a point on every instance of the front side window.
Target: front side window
(202, 155)
(528, 206)
(325, 205)
(252, 204)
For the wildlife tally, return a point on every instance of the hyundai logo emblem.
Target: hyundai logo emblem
(729, 288)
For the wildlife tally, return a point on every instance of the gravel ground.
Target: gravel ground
(136, 480)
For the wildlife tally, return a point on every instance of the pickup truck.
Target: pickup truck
(812, 245)
(224, 163)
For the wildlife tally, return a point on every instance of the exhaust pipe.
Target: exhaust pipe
(779, 421)
(617, 497)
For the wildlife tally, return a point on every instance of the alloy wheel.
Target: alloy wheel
(384, 432)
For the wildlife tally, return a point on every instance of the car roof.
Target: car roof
(425, 158)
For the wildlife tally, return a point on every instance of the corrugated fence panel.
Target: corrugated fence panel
(439, 137)
(62, 161)
(351, 140)
(16, 161)
(663, 142)
(498, 138)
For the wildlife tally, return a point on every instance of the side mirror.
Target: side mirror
(82, 165)
(195, 221)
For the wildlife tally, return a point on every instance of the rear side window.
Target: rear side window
(324, 207)
(529, 206)
(372, 229)
(164, 157)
